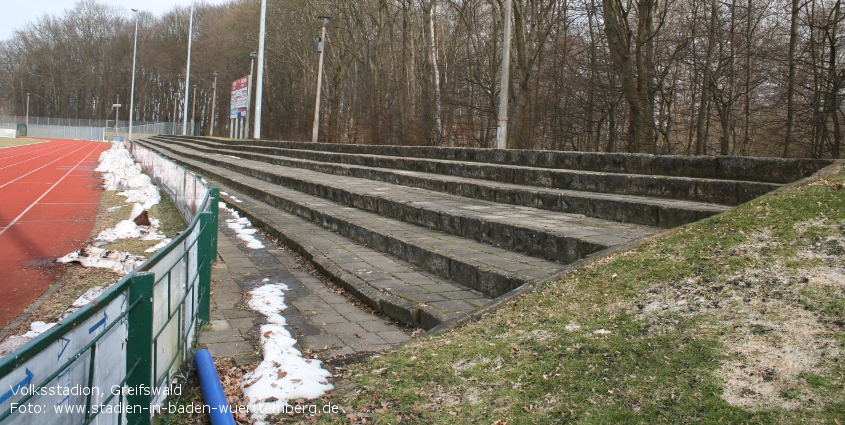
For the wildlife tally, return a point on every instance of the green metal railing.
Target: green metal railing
(114, 360)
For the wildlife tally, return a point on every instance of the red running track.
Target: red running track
(49, 198)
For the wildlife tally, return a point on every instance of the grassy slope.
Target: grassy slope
(734, 319)
(6, 142)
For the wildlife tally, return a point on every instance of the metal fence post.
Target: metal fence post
(208, 252)
(139, 352)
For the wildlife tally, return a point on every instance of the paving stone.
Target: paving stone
(238, 313)
(230, 349)
(228, 335)
(244, 323)
(339, 352)
(394, 337)
(350, 328)
(319, 342)
(450, 306)
(220, 325)
(362, 339)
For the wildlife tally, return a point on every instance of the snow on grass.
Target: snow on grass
(242, 227)
(14, 342)
(283, 374)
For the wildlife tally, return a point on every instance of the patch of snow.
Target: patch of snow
(14, 342)
(243, 228)
(283, 374)
(159, 245)
(84, 299)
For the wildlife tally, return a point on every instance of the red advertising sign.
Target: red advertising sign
(240, 98)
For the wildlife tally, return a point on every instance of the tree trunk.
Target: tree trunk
(707, 83)
(790, 79)
(634, 68)
(429, 9)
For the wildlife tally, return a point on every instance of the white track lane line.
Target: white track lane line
(12, 181)
(35, 157)
(3, 230)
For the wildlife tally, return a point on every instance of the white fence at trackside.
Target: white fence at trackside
(70, 122)
(65, 132)
(55, 128)
(114, 361)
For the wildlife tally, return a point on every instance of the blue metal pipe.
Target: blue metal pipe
(219, 411)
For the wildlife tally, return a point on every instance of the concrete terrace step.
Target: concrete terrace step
(622, 208)
(771, 170)
(390, 286)
(696, 189)
(491, 270)
(555, 236)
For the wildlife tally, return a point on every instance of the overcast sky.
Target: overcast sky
(18, 13)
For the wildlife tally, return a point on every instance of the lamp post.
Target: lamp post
(262, 30)
(252, 57)
(320, 49)
(27, 109)
(504, 85)
(188, 71)
(132, 92)
(213, 104)
(194, 112)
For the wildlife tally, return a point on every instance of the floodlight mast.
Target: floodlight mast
(252, 56)
(320, 48)
(213, 104)
(188, 72)
(259, 80)
(132, 93)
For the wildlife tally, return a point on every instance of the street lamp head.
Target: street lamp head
(325, 19)
(134, 10)
(253, 54)
(216, 73)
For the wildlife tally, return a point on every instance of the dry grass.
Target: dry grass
(6, 142)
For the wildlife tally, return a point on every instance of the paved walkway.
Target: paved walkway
(326, 324)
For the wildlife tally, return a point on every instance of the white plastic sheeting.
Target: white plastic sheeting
(72, 387)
